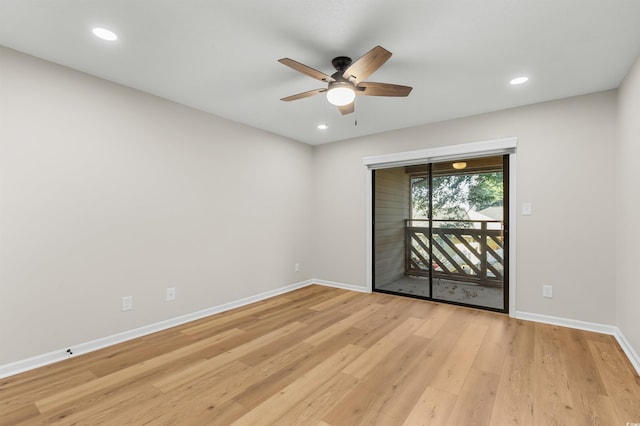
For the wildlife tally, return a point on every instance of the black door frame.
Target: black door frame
(505, 242)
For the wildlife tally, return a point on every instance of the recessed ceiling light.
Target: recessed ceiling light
(104, 34)
(519, 80)
(323, 126)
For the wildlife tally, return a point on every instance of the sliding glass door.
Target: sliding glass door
(439, 231)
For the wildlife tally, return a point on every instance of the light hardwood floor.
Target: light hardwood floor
(323, 356)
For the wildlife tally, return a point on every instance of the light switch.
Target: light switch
(527, 209)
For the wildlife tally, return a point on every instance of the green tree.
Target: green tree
(486, 190)
(455, 195)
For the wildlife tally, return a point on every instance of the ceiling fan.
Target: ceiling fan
(348, 80)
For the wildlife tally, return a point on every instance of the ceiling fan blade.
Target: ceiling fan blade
(382, 89)
(303, 95)
(367, 64)
(306, 70)
(348, 108)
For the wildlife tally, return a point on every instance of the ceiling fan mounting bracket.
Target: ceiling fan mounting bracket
(341, 63)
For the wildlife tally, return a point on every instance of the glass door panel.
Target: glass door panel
(439, 231)
(467, 232)
(399, 267)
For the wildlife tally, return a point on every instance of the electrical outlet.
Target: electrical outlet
(171, 293)
(547, 291)
(127, 303)
(296, 267)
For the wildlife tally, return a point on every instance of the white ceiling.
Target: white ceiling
(221, 56)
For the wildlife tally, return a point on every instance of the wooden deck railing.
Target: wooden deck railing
(470, 251)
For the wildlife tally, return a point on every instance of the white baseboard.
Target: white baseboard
(60, 355)
(569, 323)
(83, 348)
(587, 326)
(628, 350)
(342, 286)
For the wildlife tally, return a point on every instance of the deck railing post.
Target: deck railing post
(484, 236)
(408, 242)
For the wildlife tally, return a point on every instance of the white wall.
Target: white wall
(628, 208)
(107, 192)
(565, 167)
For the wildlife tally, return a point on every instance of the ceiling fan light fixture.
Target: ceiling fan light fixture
(340, 94)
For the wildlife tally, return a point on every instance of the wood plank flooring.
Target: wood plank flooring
(324, 356)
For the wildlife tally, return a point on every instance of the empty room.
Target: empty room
(319, 213)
